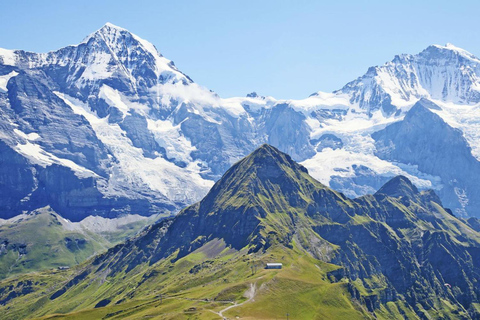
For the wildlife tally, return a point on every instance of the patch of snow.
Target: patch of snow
(323, 101)
(252, 104)
(112, 97)
(134, 171)
(99, 224)
(354, 129)
(466, 118)
(8, 57)
(354, 122)
(170, 137)
(35, 154)
(404, 92)
(30, 137)
(116, 99)
(201, 98)
(340, 162)
(38, 156)
(4, 80)
(98, 68)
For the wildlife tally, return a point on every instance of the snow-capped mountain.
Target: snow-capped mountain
(439, 73)
(110, 126)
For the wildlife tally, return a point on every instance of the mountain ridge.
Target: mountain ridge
(126, 115)
(385, 254)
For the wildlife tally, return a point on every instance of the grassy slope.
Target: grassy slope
(201, 284)
(44, 237)
(169, 290)
(301, 289)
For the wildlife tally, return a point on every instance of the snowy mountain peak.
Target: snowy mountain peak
(118, 38)
(109, 31)
(109, 28)
(112, 26)
(448, 52)
(445, 73)
(114, 52)
(115, 111)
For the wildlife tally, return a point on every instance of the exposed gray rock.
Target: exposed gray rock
(425, 139)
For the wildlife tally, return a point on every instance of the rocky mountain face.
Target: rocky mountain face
(69, 156)
(253, 205)
(422, 138)
(111, 127)
(398, 251)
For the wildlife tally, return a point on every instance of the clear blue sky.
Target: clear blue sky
(286, 49)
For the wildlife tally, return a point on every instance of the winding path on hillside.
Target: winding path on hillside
(250, 294)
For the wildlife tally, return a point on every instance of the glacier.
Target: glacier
(110, 127)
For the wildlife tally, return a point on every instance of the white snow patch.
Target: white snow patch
(99, 225)
(98, 68)
(170, 137)
(322, 100)
(8, 57)
(112, 98)
(340, 162)
(37, 155)
(30, 137)
(404, 93)
(354, 129)
(116, 99)
(201, 98)
(251, 104)
(466, 118)
(4, 80)
(133, 169)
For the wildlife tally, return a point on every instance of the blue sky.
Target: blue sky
(286, 49)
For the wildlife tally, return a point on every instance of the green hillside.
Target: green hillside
(43, 240)
(396, 254)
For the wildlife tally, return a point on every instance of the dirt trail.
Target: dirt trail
(14, 264)
(250, 294)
